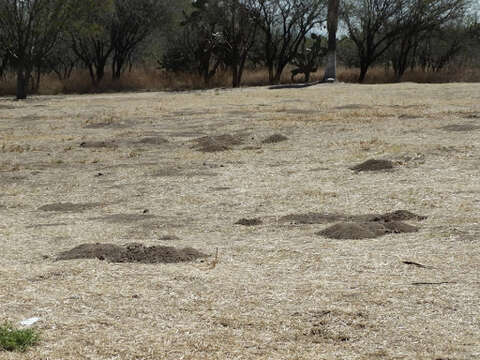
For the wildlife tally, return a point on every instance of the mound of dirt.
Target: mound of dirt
(153, 140)
(249, 222)
(68, 207)
(131, 253)
(98, 144)
(460, 127)
(217, 143)
(399, 215)
(373, 165)
(275, 138)
(365, 230)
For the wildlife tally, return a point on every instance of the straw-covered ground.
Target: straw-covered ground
(263, 178)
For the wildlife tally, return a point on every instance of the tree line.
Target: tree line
(204, 36)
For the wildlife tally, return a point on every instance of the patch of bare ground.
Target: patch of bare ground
(373, 165)
(99, 144)
(153, 140)
(249, 222)
(68, 207)
(461, 127)
(217, 143)
(131, 253)
(275, 138)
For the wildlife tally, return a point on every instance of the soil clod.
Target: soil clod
(373, 165)
(132, 253)
(275, 138)
(249, 222)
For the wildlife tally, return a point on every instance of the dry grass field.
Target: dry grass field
(181, 169)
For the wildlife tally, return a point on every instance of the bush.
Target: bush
(12, 339)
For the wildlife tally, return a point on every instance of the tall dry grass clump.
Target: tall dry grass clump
(150, 78)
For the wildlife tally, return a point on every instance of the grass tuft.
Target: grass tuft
(12, 339)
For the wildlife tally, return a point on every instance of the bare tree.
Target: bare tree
(29, 29)
(284, 24)
(134, 21)
(422, 22)
(237, 37)
(373, 25)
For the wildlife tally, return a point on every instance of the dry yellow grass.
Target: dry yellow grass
(273, 291)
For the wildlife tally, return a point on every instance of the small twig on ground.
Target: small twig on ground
(433, 283)
(417, 264)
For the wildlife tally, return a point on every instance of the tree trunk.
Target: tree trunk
(22, 83)
(332, 26)
(331, 68)
(363, 72)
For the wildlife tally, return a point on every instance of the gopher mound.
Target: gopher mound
(365, 230)
(325, 218)
(217, 143)
(68, 207)
(460, 127)
(131, 253)
(275, 138)
(399, 215)
(153, 140)
(99, 144)
(373, 165)
(249, 222)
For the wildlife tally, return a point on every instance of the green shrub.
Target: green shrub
(12, 339)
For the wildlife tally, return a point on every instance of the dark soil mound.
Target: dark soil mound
(217, 143)
(249, 222)
(399, 215)
(98, 144)
(68, 207)
(365, 230)
(398, 227)
(131, 253)
(275, 138)
(373, 165)
(460, 127)
(312, 218)
(157, 140)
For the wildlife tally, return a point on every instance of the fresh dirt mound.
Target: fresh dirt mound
(217, 143)
(153, 140)
(373, 165)
(399, 215)
(68, 207)
(275, 138)
(98, 144)
(325, 218)
(460, 127)
(131, 253)
(365, 230)
(249, 222)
